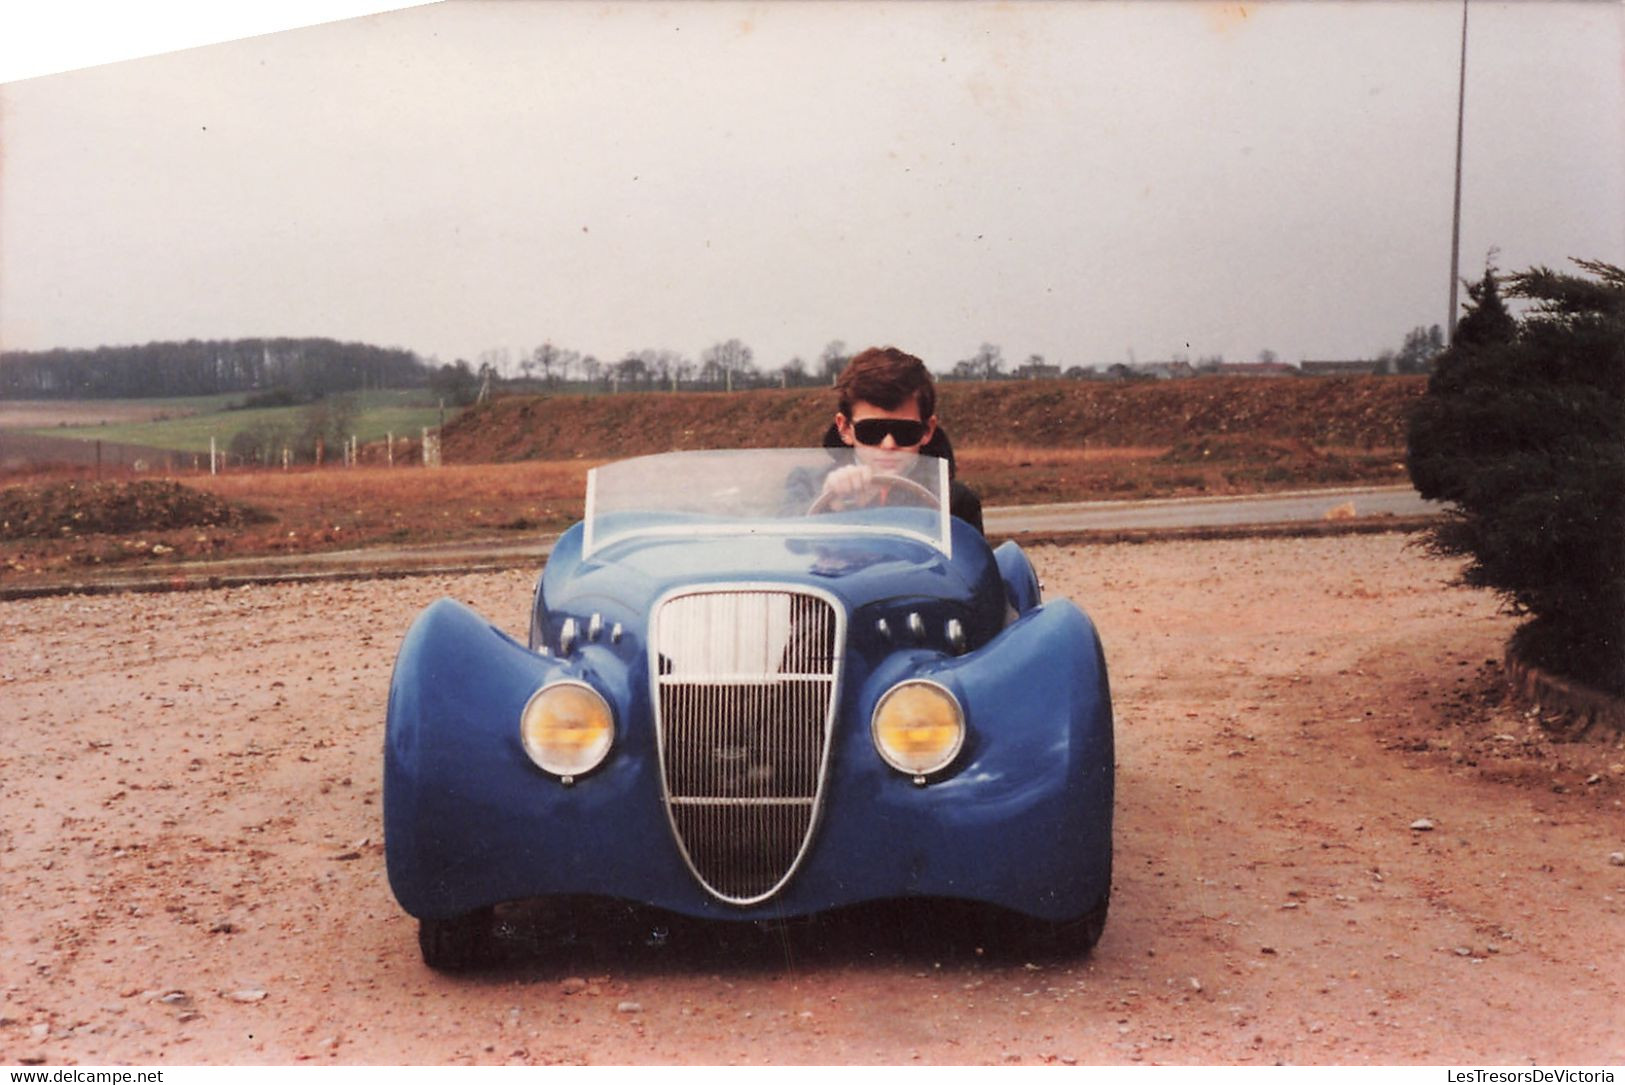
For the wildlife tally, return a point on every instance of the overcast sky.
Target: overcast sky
(1087, 181)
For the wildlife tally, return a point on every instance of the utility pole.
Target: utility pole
(1455, 222)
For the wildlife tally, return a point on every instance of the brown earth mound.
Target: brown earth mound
(1353, 412)
(1243, 449)
(113, 508)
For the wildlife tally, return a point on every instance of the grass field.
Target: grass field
(52, 416)
(187, 424)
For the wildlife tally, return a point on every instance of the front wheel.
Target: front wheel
(1072, 938)
(458, 943)
(1010, 935)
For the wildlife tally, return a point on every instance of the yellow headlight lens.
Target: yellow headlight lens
(567, 728)
(918, 727)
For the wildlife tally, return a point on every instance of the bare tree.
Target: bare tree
(546, 358)
(985, 364)
(730, 362)
(833, 360)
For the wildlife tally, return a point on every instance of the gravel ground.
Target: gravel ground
(1335, 845)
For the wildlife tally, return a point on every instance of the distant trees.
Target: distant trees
(306, 368)
(793, 374)
(1523, 430)
(630, 372)
(727, 365)
(986, 364)
(455, 383)
(1422, 345)
(833, 360)
(554, 362)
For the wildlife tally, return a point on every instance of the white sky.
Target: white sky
(1078, 180)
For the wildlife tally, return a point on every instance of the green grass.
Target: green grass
(403, 412)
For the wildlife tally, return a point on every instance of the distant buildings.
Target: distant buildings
(1253, 369)
(1341, 369)
(1179, 369)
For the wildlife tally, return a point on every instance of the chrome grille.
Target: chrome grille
(745, 682)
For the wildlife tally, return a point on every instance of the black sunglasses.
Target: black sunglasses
(905, 431)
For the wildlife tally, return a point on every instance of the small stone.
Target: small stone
(1267, 950)
(1196, 984)
(246, 995)
(572, 985)
(1616, 858)
(1422, 825)
(629, 1007)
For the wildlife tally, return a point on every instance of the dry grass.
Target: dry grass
(1027, 475)
(332, 509)
(366, 504)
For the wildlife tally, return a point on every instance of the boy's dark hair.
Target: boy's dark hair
(886, 377)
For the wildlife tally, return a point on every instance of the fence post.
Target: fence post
(213, 470)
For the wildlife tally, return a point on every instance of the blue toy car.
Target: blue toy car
(735, 706)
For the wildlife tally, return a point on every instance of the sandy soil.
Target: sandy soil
(192, 867)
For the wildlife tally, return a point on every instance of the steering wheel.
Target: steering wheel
(909, 488)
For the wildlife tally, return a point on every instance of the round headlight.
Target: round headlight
(918, 727)
(567, 728)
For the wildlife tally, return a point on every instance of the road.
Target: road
(1303, 506)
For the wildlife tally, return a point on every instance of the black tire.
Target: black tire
(456, 944)
(1008, 935)
(1071, 938)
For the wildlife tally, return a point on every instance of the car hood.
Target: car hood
(628, 576)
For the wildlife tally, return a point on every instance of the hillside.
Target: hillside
(1327, 413)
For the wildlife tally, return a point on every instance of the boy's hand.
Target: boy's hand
(848, 483)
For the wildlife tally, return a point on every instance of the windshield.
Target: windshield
(764, 491)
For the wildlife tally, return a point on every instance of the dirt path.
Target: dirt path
(191, 861)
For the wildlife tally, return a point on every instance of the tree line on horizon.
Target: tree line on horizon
(285, 371)
(302, 370)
